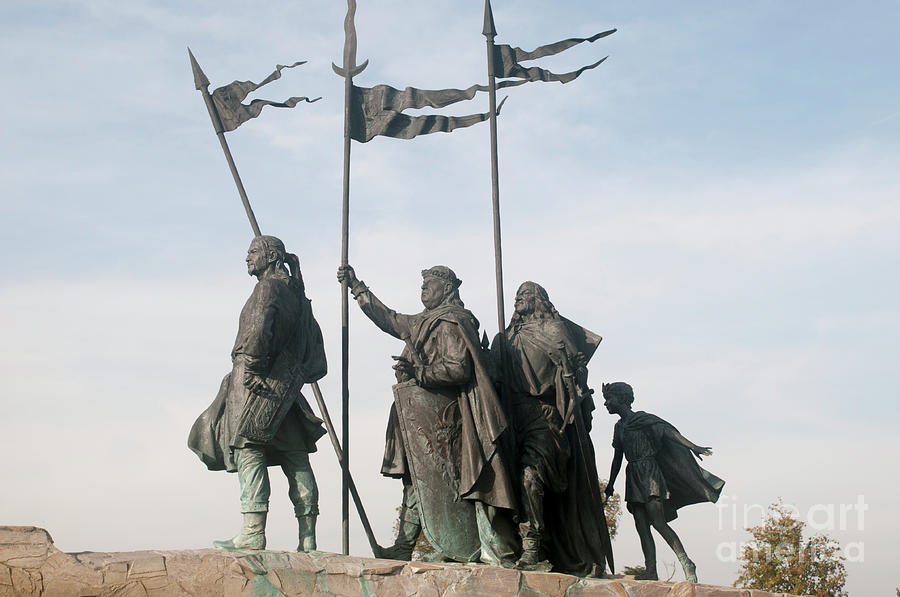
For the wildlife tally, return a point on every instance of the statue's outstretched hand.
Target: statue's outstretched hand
(579, 360)
(345, 273)
(700, 452)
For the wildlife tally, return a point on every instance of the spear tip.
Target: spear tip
(489, 30)
(200, 80)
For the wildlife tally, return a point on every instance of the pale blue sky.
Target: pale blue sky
(719, 200)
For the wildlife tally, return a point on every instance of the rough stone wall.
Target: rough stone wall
(31, 565)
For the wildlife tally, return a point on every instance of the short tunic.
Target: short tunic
(659, 465)
(643, 478)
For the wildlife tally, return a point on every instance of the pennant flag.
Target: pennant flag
(379, 111)
(233, 113)
(507, 59)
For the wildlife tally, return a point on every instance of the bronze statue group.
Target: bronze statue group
(491, 443)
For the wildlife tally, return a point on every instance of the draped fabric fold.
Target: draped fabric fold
(507, 60)
(557, 47)
(233, 113)
(379, 110)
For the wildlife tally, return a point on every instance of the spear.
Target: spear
(202, 85)
(490, 32)
(348, 71)
(201, 82)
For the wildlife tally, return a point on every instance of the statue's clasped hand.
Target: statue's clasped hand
(346, 274)
(607, 494)
(579, 360)
(405, 369)
(256, 384)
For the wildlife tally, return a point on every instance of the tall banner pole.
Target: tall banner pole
(348, 71)
(345, 327)
(489, 33)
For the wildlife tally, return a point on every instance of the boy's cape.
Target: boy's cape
(687, 481)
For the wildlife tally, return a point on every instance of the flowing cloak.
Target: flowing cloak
(277, 337)
(573, 537)
(446, 339)
(683, 482)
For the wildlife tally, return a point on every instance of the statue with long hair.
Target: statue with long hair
(540, 360)
(259, 418)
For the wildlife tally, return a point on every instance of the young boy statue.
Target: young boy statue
(661, 475)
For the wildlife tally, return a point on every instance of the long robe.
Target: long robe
(446, 339)
(276, 332)
(573, 535)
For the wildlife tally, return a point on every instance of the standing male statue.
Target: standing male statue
(661, 475)
(445, 428)
(259, 418)
(541, 360)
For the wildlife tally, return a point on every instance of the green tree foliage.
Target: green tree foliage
(612, 510)
(423, 548)
(778, 559)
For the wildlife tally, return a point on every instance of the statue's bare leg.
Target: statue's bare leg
(642, 524)
(657, 516)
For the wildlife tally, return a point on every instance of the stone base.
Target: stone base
(31, 565)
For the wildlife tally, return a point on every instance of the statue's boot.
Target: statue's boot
(647, 574)
(251, 537)
(307, 526)
(690, 569)
(533, 556)
(403, 547)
